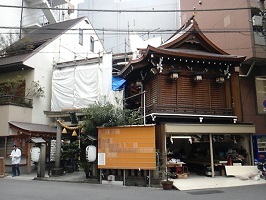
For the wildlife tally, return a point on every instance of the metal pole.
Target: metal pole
(149, 178)
(21, 17)
(252, 162)
(211, 154)
(101, 178)
(124, 177)
(144, 108)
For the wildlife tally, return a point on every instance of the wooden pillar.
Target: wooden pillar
(28, 160)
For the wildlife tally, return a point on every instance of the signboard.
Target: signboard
(261, 94)
(129, 147)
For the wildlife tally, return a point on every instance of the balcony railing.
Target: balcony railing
(33, 20)
(186, 109)
(16, 101)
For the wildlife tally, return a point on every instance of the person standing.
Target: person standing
(15, 160)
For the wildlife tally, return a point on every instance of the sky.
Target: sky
(113, 28)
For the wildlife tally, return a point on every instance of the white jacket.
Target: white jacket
(15, 156)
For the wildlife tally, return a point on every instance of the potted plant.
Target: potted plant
(166, 183)
(165, 173)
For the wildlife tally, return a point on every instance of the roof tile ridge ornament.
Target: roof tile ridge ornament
(192, 18)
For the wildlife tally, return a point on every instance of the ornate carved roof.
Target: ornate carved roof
(188, 44)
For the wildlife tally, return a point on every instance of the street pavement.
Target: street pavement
(74, 177)
(191, 183)
(26, 187)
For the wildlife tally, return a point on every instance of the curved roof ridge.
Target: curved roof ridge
(183, 34)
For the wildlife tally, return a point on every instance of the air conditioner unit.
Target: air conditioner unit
(257, 20)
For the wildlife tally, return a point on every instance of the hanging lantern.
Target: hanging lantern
(91, 153)
(35, 154)
(220, 79)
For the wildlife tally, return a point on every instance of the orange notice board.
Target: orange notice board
(129, 147)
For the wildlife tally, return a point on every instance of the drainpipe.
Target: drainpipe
(249, 71)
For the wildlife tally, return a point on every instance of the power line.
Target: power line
(126, 11)
(126, 31)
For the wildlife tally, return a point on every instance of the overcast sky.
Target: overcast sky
(116, 25)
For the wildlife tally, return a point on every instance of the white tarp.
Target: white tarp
(78, 86)
(62, 89)
(85, 86)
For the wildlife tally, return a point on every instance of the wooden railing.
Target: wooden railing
(16, 101)
(186, 109)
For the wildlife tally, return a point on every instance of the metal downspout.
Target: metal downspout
(211, 154)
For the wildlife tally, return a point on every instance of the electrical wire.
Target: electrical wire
(126, 31)
(126, 11)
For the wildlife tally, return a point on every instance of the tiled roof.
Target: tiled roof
(33, 128)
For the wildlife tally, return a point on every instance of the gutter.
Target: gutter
(201, 117)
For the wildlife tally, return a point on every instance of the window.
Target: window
(92, 44)
(80, 36)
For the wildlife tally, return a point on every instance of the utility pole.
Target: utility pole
(21, 17)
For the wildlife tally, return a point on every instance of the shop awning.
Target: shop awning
(36, 140)
(174, 128)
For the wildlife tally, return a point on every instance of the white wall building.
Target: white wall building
(34, 59)
(24, 16)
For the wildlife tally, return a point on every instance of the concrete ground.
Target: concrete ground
(193, 182)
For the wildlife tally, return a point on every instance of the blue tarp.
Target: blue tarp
(117, 83)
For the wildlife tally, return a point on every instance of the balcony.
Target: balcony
(16, 101)
(33, 21)
(186, 109)
(58, 2)
(51, 15)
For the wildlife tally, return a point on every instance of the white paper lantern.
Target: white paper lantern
(91, 153)
(35, 154)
